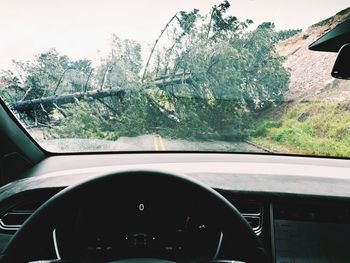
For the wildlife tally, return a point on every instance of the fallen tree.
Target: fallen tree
(162, 82)
(53, 101)
(56, 101)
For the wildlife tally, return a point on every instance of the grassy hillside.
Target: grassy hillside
(315, 128)
(315, 117)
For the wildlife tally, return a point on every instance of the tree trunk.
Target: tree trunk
(54, 101)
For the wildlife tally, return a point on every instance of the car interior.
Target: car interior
(173, 206)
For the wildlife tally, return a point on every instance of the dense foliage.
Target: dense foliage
(228, 71)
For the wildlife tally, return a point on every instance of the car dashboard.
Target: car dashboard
(298, 207)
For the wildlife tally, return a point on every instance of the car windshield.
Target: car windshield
(218, 76)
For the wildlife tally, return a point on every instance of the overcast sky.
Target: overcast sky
(80, 28)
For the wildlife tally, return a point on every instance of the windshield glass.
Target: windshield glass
(228, 76)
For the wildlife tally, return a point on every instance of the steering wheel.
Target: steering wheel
(239, 239)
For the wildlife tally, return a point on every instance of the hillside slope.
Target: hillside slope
(310, 70)
(315, 117)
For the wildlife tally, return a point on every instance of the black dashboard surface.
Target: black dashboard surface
(242, 173)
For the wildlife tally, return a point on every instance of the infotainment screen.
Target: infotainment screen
(311, 242)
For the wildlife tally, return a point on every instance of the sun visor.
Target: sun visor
(334, 39)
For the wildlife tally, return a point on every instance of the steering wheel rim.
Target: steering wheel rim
(236, 229)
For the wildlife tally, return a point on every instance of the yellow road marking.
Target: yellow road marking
(155, 142)
(161, 143)
(158, 143)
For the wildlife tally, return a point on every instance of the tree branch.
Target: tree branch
(155, 44)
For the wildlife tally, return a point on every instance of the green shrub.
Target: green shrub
(263, 127)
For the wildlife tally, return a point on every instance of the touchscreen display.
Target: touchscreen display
(299, 242)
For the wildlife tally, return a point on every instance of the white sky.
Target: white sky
(80, 28)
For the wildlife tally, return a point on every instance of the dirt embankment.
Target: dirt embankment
(310, 70)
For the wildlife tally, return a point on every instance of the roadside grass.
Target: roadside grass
(311, 128)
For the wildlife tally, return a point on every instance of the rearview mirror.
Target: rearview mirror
(341, 68)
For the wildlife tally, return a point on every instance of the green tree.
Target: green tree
(285, 34)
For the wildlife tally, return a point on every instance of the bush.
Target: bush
(83, 121)
(263, 127)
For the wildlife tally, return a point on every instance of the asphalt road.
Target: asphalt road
(152, 142)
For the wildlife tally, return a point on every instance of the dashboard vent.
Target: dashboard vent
(12, 221)
(17, 213)
(252, 212)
